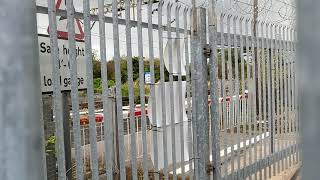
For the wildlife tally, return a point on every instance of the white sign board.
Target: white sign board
(147, 78)
(64, 64)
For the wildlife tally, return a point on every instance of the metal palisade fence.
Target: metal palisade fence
(221, 103)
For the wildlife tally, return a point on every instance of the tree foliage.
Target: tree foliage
(124, 70)
(233, 59)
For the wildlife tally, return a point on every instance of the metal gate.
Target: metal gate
(221, 105)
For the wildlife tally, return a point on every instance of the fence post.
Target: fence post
(201, 94)
(20, 92)
(214, 90)
(308, 74)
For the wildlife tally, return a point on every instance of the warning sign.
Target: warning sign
(64, 64)
(62, 24)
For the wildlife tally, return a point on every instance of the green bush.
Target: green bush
(125, 89)
(50, 145)
(97, 85)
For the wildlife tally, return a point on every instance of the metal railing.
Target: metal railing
(250, 132)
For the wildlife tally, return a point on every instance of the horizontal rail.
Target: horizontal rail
(263, 163)
(79, 15)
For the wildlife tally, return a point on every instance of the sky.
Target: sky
(274, 11)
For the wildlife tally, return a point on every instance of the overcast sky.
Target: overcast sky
(275, 11)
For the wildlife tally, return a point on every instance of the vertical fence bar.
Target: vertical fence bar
(285, 73)
(263, 126)
(260, 96)
(273, 98)
(289, 94)
(260, 54)
(230, 90)
(20, 92)
(293, 85)
(250, 95)
(285, 90)
(255, 60)
(289, 87)
(224, 95)
(163, 93)
(188, 79)
(142, 91)
(244, 112)
(180, 90)
(193, 47)
(236, 87)
(294, 89)
(295, 94)
(152, 89)
(281, 95)
(292, 82)
(132, 123)
(172, 123)
(57, 96)
(90, 92)
(290, 121)
(107, 114)
(285, 94)
(298, 98)
(268, 99)
(214, 93)
(236, 111)
(298, 95)
(278, 106)
(118, 89)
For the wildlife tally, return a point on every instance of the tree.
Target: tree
(96, 63)
(135, 69)
(110, 70)
(226, 64)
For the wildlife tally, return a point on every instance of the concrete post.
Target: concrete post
(20, 150)
(308, 74)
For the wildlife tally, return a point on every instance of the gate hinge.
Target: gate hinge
(207, 51)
